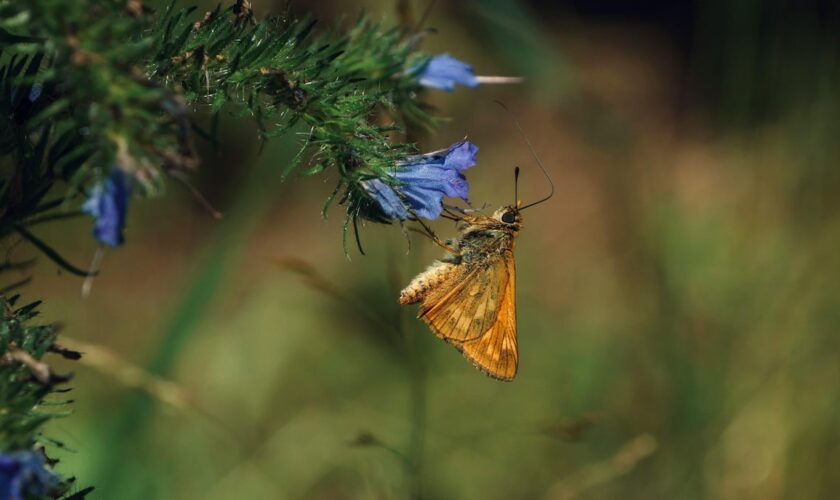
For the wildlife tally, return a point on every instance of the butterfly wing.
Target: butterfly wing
(467, 304)
(476, 312)
(495, 352)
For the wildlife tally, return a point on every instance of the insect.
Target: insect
(468, 298)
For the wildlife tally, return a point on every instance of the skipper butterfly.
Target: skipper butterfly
(468, 298)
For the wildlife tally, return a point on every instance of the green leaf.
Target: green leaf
(49, 112)
(52, 254)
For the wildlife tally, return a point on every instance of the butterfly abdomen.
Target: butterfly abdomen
(428, 280)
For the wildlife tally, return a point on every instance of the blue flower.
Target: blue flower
(421, 183)
(108, 205)
(35, 92)
(23, 475)
(443, 72)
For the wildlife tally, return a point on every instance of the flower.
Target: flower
(443, 72)
(421, 183)
(35, 92)
(108, 205)
(23, 475)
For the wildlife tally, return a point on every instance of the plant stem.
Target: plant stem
(418, 398)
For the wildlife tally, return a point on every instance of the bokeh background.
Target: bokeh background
(678, 298)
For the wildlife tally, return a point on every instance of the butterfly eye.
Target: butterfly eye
(508, 217)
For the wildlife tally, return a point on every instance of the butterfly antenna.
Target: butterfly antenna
(516, 186)
(427, 12)
(534, 154)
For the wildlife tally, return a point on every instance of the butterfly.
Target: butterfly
(468, 298)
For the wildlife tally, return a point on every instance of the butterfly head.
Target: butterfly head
(510, 217)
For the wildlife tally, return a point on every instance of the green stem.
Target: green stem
(418, 398)
(417, 403)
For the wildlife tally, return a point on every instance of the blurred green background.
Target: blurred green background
(678, 299)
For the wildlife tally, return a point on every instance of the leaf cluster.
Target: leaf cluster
(87, 85)
(26, 383)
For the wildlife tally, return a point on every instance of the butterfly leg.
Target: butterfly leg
(427, 232)
(449, 213)
(448, 245)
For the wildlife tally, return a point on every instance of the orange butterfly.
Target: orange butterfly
(468, 298)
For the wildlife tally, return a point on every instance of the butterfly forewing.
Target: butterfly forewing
(495, 352)
(469, 304)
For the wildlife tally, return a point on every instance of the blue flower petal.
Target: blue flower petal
(457, 187)
(35, 92)
(443, 72)
(446, 181)
(23, 475)
(11, 482)
(461, 156)
(426, 203)
(387, 199)
(108, 205)
(422, 183)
